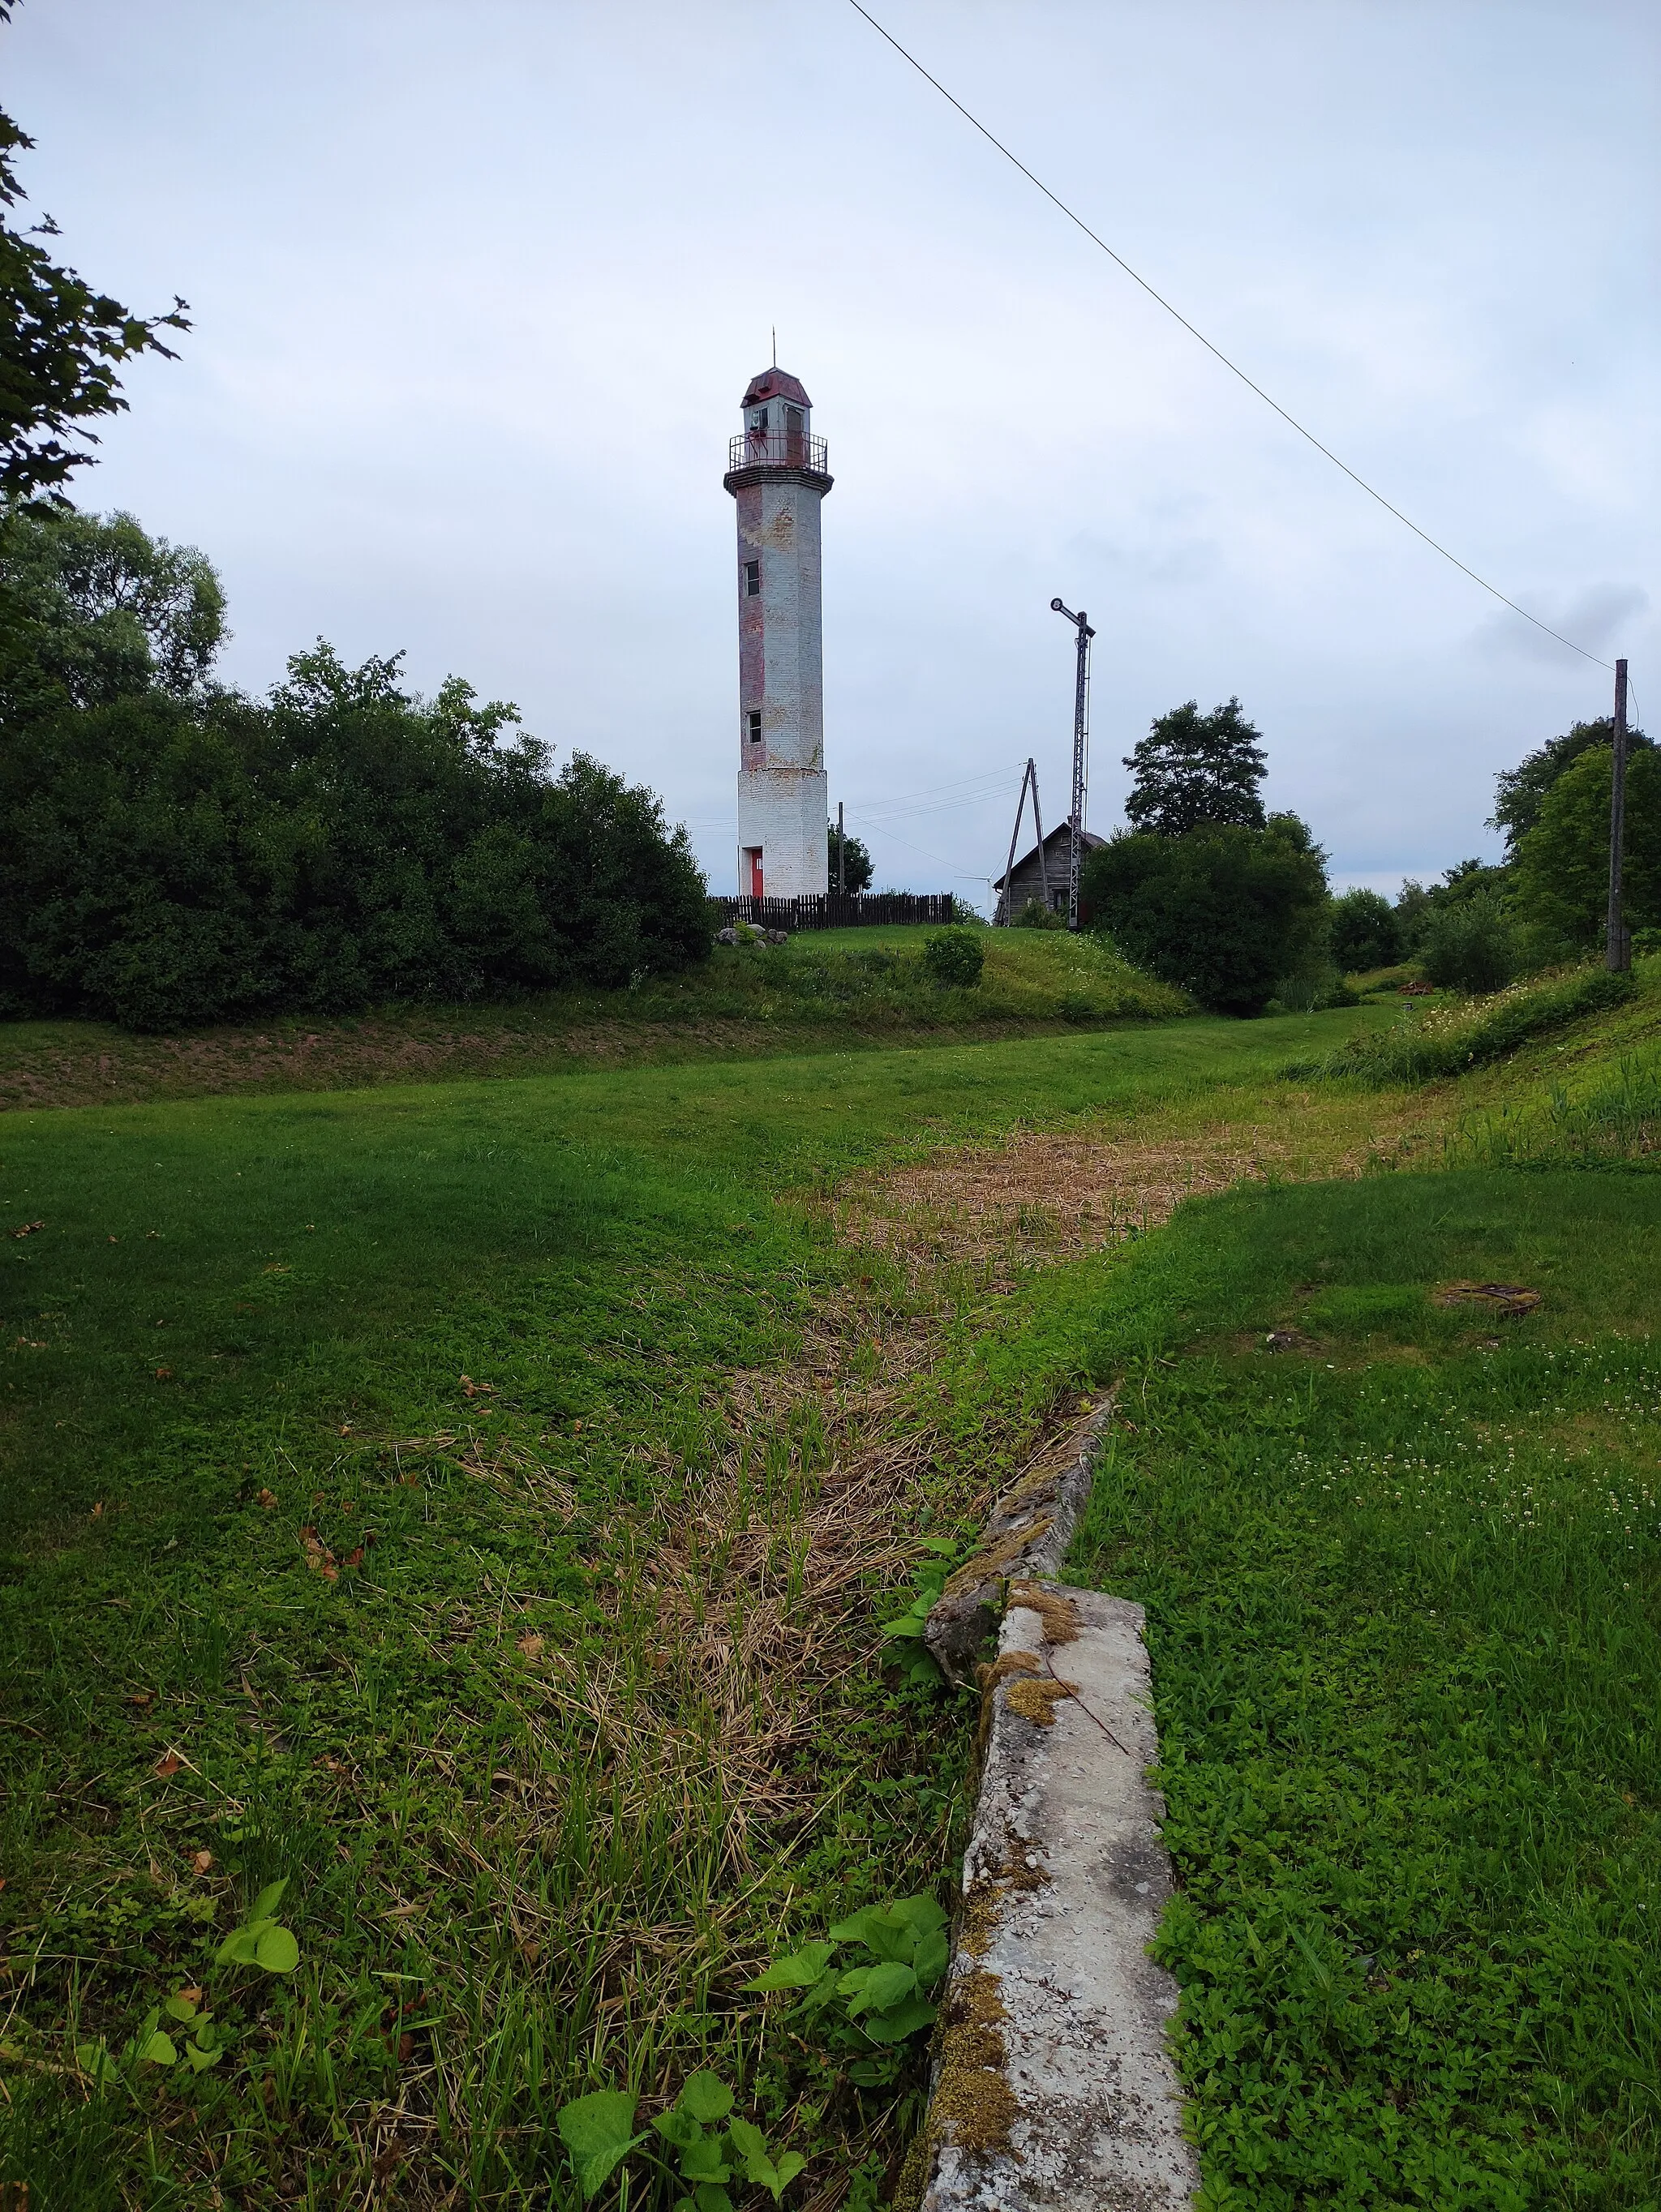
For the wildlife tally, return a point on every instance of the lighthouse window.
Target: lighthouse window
(752, 724)
(753, 579)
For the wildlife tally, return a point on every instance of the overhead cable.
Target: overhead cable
(1233, 367)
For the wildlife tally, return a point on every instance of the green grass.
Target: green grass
(521, 1868)
(548, 1871)
(837, 988)
(1456, 1035)
(1403, 1585)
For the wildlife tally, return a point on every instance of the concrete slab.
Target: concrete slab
(1054, 2086)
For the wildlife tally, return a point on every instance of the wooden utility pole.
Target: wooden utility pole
(841, 857)
(1618, 954)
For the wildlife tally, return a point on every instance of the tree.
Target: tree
(1226, 911)
(1364, 932)
(1559, 886)
(98, 609)
(1418, 904)
(1470, 945)
(859, 866)
(1521, 791)
(176, 859)
(62, 347)
(1193, 768)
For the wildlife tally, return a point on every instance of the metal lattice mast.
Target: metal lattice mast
(1080, 733)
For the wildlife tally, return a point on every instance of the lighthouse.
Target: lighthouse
(776, 473)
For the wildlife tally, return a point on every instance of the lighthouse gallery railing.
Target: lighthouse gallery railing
(754, 449)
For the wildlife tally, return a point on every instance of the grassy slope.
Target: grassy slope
(1404, 1585)
(823, 988)
(604, 1250)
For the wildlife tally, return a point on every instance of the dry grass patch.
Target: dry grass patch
(1043, 1195)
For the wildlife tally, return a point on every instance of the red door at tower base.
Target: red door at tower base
(752, 855)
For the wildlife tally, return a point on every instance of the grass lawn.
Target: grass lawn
(1403, 1584)
(469, 1502)
(824, 989)
(473, 1502)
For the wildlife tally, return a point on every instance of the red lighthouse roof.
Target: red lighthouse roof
(775, 384)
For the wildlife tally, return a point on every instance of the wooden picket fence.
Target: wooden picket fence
(831, 910)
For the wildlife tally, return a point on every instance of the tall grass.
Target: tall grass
(1455, 1037)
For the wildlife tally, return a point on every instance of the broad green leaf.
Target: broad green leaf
(94, 2058)
(199, 2060)
(703, 2160)
(933, 1955)
(948, 1544)
(277, 1950)
(758, 2167)
(157, 2050)
(905, 2019)
(798, 1970)
(179, 2009)
(705, 2095)
(265, 1904)
(922, 1913)
(598, 2132)
(678, 2127)
(237, 1949)
(908, 1624)
(880, 1930)
(820, 1995)
(710, 2197)
(748, 2140)
(853, 1982)
(884, 1987)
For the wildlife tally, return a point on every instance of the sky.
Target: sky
(476, 286)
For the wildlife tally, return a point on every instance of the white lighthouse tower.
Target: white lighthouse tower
(776, 473)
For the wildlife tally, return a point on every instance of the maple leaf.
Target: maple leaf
(168, 1764)
(201, 1861)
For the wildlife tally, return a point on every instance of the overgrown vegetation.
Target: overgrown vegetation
(1462, 1033)
(179, 854)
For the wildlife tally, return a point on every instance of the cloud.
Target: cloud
(1594, 618)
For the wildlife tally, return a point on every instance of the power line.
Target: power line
(876, 829)
(1233, 367)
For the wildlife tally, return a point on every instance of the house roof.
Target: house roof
(775, 384)
(1052, 838)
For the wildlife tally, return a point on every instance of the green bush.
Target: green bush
(174, 860)
(954, 956)
(1364, 932)
(1225, 911)
(1452, 1038)
(1035, 914)
(1471, 947)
